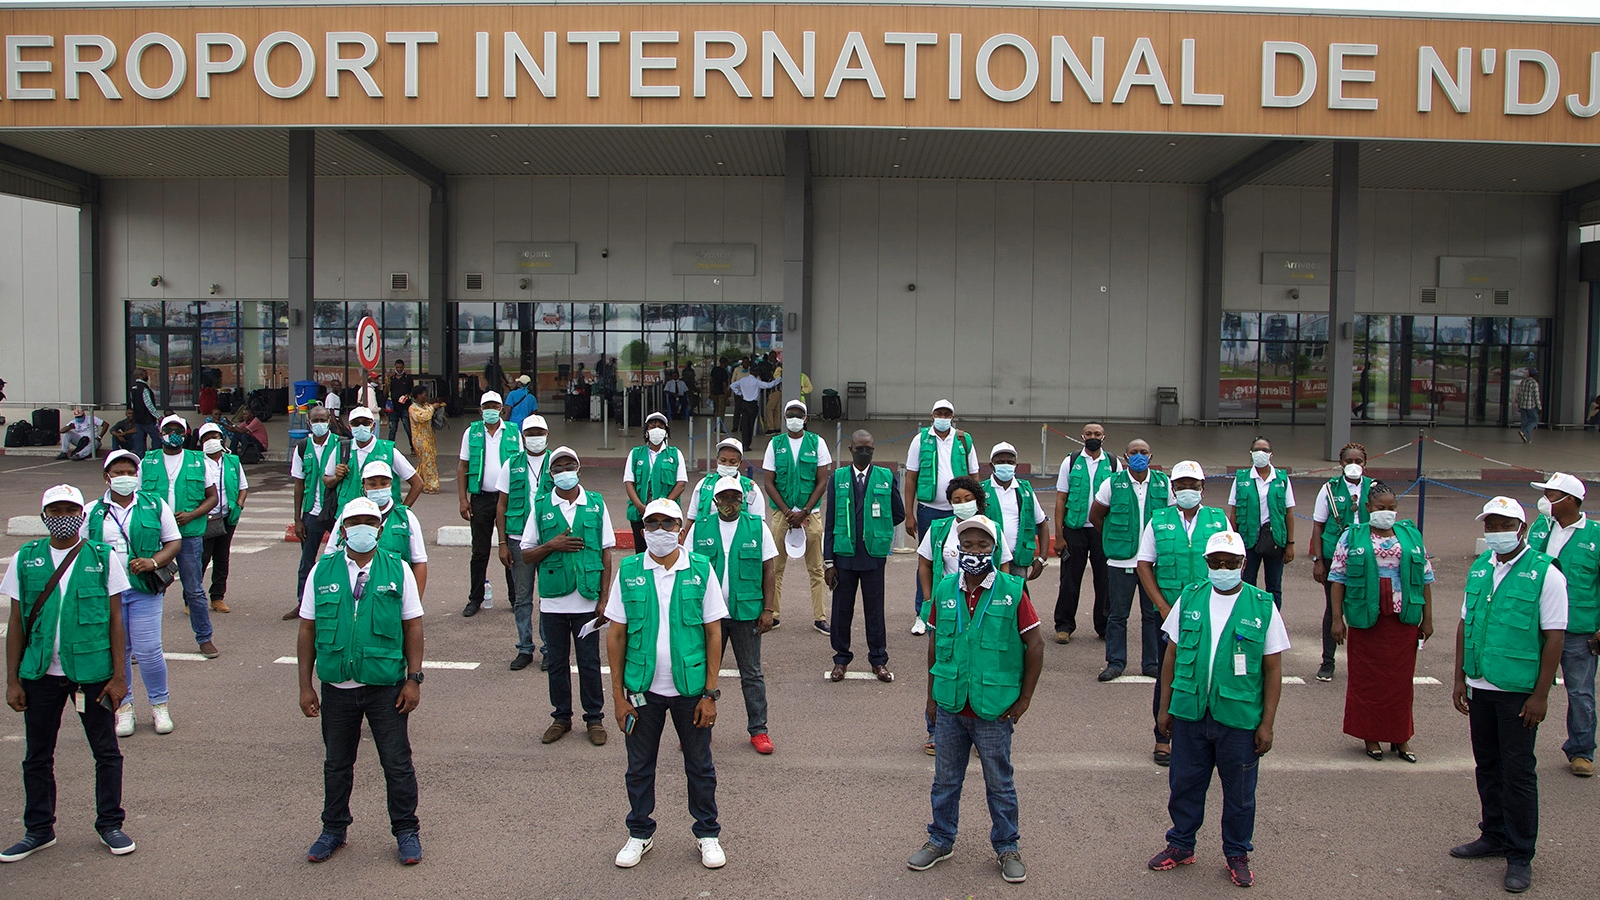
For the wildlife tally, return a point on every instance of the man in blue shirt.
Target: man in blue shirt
(522, 402)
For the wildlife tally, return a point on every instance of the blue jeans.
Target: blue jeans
(644, 745)
(522, 600)
(955, 736)
(746, 640)
(1273, 563)
(1121, 584)
(563, 631)
(1530, 421)
(342, 712)
(146, 437)
(1198, 749)
(926, 516)
(141, 620)
(1578, 670)
(191, 572)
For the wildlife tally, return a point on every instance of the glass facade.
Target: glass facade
(1445, 370)
(190, 345)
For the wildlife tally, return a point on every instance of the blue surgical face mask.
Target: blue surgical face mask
(1225, 579)
(941, 425)
(1138, 462)
(361, 433)
(965, 510)
(1187, 499)
(361, 538)
(380, 496)
(565, 480)
(319, 429)
(491, 417)
(1502, 541)
(1005, 471)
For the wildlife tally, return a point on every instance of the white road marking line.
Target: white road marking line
(185, 657)
(1425, 679)
(1293, 679)
(255, 548)
(259, 534)
(853, 676)
(1145, 679)
(427, 664)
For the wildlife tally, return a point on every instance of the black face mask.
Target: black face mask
(1092, 445)
(862, 455)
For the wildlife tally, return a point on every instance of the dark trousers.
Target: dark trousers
(926, 516)
(401, 419)
(745, 415)
(237, 442)
(638, 537)
(560, 631)
(1328, 645)
(1273, 563)
(1083, 549)
(745, 635)
(47, 697)
(484, 506)
(215, 552)
(342, 711)
(310, 548)
(1124, 583)
(1508, 784)
(1155, 698)
(146, 437)
(870, 581)
(644, 744)
(1198, 749)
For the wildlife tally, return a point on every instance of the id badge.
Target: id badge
(877, 509)
(1238, 663)
(635, 700)
(78, 702)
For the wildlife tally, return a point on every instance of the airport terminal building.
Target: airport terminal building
(1041, 212)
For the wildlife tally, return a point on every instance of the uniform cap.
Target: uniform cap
(981, 523)
(115, 455)
(1225, 542)
(491, 397)
(62, 493)
(945, 405)
(559, 452)
(735, 443)
(375, 469)
(662, 507)
(1187, 469)
(359, 412)
(727, 483)
(360, 506)
(1503, 506)
(180, 420)
(534, 421)
(1002, 447)
(1561, 481)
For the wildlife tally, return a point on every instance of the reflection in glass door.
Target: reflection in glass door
(170, 356)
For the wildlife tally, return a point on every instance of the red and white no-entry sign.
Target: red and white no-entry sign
(368, 344)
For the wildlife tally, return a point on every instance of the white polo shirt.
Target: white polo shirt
(715, 604)
(574, 603)
(942, 448)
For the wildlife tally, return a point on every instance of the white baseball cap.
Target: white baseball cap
(980, 522)
(491, 397)
(376, 468)
(360, 412)
(662, 507)
(656, 415)
(523, 379)
(534, 421)
(115, 455)
(1002, 447)
(1503, 506)
(1225, 542)
(175, 419)
(727, 483)
(735, 443)
(794, 542)
(1561, 481)
(794, 404)
(1187, 469)
(210, 427)
(559, 452)
(945, 404)
(360, 506)
(62, 493)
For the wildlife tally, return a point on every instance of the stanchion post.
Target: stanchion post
(605, 422)
(1422, 482)
(1044, 449)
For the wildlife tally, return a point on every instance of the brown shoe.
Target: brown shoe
(1063, 637)
(883, 673)
(220, 606)
(209, 650)
(1583, 768)
(292, 614)
(837, 674)
(555, 731)
(597, 734)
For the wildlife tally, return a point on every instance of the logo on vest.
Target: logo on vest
(950, 604)
(1253, 623)
(636, 582)
(1006, 600)
(328, 589)
(32, 563)
(1166, 526)
(1358, 551)
(1531, 576)
(1194, 614)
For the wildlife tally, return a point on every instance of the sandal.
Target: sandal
(928, 748)
(1161, 758)
(1375, 754)
(1406, 755)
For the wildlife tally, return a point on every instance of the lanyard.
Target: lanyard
(111, 508)
(983, 605)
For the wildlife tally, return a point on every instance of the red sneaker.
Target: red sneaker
(762, 743)
(1171, 858)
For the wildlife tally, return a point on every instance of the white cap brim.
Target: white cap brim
(180, 420)
(727, 483)
(534, 421)
(491, 397)
(794, 543)
(559, 452)
(980, 522)
(360, 412)
(1503, 506)
(794, 404)
(735, 443)
(1225, 542)
(360, 506)
(662, 507)
(1002, 447)
(115, 455)
(1187, 469)
(209, 428)
(945, 405)
(376, 468)
(1561, 481)
(62, 493)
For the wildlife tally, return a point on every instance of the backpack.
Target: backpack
(250, 453)
(19, 434)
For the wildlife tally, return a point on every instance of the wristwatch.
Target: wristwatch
(712, 695)
(414, 676)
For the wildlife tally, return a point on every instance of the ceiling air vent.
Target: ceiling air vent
(1502, 298)
(474, 281)
(399, 281)
(1429, 295)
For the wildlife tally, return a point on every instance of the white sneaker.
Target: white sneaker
(919, 626)
(632, 852)
(163, 719)
(711, 855)
(125, 720)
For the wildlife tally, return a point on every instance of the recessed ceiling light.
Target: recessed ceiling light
(897, 165)
(1513, 179)
(708, 137)
(1172, 143)
(1138, 170)
(719, 162)
(525, 162)
(335, 162)
(1327, 174)
(902, 137)
(493, 135)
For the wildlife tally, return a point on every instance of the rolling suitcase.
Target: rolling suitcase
(47, 421)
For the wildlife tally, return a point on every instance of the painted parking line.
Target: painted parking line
(426, 664)
(853, 676)
(185, 657)
(1425, 679)
(1127, 679)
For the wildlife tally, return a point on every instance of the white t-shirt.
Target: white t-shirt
(1147, 538)
(574, 603)
(116, 583)
(1552, 603)
(1263, 511)
(410, 600)
(327, 454)
(1011, 516)
(214, 476)
(627, 469)
(1560, 534)
(117, 528)
(716, 609)
(1322, 510)
(417, 544)
(1141, 489)
(942, 448)
(754, 499)
(769, 547)
(494, 468)
(333, 402)
(88, 428)
(174, 465)
(1219, 610)
(824, 458)
(403, 469)
(951, 551)
(536, 466)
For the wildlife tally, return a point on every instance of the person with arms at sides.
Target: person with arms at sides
(702, 502)
(677, 393)
(1262, 501)
(522, 402)
(1508, 645)
(1172, 556)
(486, 447)
(794, 475)
(361, 633)
(984, 658)
(313, 467)
(424, 446)
(747, 390)
(1122, 510)
(143, 534)
(1077, 543)
(233, 489)
(363, 447)
(666, 608)
(1529, 403)
(864, 508)
(568, 539)
(654, 471)
(719, 391)
(1219, 702)
(1341, 502)
(187, 482)
(1017, 510)
(1572, 539)
(81, 437)
(522, 480)
(402, 532)
(937, 454)
(146, 415)
(400, 399)
(741, 550)
(64, 643)
(1383, 602)
(335, 404)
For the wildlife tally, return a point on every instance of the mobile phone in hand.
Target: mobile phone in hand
(106, 701)
(628, 721)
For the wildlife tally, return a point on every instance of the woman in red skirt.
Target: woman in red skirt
(1383, 600)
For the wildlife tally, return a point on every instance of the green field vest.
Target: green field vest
(877, 514)
(1080, 492)
(1248, 506)
(517, 504)
(1361, 575)
(315, 464)
(1119, 534)
(1234, 700)
(360, 641)
(652, 482)
(1180, 555)
(928, 462)
(230, 487)
(477, 434)
(705, 502)
(394, 537)
(686, 621)
(1579, 561)
(795, 479)
(977, 656)
(144, 526)
(742, 586)
(1502, 641)
(191, 490)
(350, 487)
(1342, 512)
(562, 573)
(84, 613)
(1025, 544)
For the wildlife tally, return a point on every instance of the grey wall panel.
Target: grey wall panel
(1168, 343)
(1536, 296)
(663, 219)
(1390, 274)
(145, 225)
(828, 335)
(702, 223)
(279, 256)
(180, 238)
(898, 313)
(513, 210)
(1468, 233)
(589, 220)
(1051, 306)
(331, 217)
(972, 359)
(933, 353)
(218, 252)
(254, 238)
(1128, 300)
(769, 274)
(742, 219)
(1089, 341)
(68, 312)
(14, 340)
(548, 218)
(472, 203)
(404, 220)
(1011, 393)
(628, 232)
(114, 227)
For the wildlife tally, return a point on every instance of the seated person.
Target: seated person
(80, 437)
(248, 430)
(122, 433)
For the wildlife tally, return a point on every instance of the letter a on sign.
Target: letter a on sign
(367, 343)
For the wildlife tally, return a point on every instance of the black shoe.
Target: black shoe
(326, 843)
(821, 625)
(118, 843)
(1482, 848)
(410, 848)
(60, 456)
(775, 623)
(1519, 877)
(1239, 871)
(29, 845)
(1110, 672)
(471, 609)
(924, 859)
(544, 662)
(522, 661)
(1152, 671)
(1325, 673)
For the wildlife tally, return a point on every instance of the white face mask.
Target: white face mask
(965, 510)
(1187, 499)
(795, 424)
(660, 543)
(728, 471)
(535, 445)
(1502, 541)
(1383, 519)
(124, 485)
(1353, 471)
(1260, 458)
(1545, 506)
(656, 435)
(212, 447)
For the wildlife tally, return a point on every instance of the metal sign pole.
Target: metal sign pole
(1422, 483)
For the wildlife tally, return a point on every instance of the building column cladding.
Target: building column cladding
(1342, 297)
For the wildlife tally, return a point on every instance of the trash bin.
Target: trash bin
(1166, 406)
(305, 394)
(855, 401)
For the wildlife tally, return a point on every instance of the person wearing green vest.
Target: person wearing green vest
(652, 472)
(741, 550)
(984, 659)
(361, 635)
(666, 608)
(364, 447)
(936, 454)
(1172, 557)
(1508, 645)
(1077, 543)
(144, 536)
(233, 488)
(522, 480)
(487, 446)
(702, 501)
(864, 508)
(188, 484)
(1341, 502)
(314, 469)
(568, 540)
(1218, 702)
(1122, 508)
(794, 475)
(1572, 539)
(402, 532)
(1023, 524)
(1383, 600)
(1262, 501)
(64, 643)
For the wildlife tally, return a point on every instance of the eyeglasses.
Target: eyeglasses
(663, 525)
